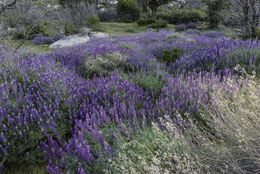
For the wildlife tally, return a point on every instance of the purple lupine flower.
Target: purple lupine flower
(41, 40)
(57, 37)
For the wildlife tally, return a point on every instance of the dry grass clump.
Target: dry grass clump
(157, 151)
(236, 119)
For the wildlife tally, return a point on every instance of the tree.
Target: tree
(155, 4)
(194, 4)
(214, 8)
(244, 14)
(143, 4)
(127, 10)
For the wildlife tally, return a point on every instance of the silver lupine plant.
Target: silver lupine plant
(55, 112)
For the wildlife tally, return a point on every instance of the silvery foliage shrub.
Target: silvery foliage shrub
(157, 150)
(243, 15)
(233, 115)
(106, 64)
(22, 14)
(236, 121)
(76, 13)
(26, 19)
(107, 15)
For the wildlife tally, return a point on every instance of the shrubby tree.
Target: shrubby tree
(76, 13)
(143, 5)
(155, 4)
(194, 4)
(128, 10)
(214, 8)
(26, 21)
(243, 14)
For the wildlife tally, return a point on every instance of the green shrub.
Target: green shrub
(18, 35)
(197, 16)
(92, 20)
(149, 81)
(127, 10)
(178, 16)
(71, 29)
(170, 56)
(130, 30)
(141, 22)
(214, 8)
(144, 22)
(30, 31)
(151, 21)
(258, 33)
(160, 23)
(33, 30)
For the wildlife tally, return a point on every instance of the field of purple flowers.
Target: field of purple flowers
(70, 108)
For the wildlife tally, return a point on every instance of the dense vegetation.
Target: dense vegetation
(145, 103)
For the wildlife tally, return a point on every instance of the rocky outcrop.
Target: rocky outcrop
(77, 39)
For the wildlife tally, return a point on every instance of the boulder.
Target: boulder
(70, 41)
(77, 39)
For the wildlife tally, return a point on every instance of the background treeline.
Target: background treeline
(70, 16)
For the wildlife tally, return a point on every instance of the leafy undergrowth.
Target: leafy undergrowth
(133, 104)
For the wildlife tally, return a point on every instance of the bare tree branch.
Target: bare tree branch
(4, 7)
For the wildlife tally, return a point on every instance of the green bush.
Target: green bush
(170, 56)
(18, 35)
(141, 22)
(149, 81)
(214, 7)
(33, 30)
(130, 30)
(197, 16)
(178, 16)
(92, 20)
(71, 29)
(30, 31)
(160, 23)
(144, 22)
(258, 33)
(127, 10)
